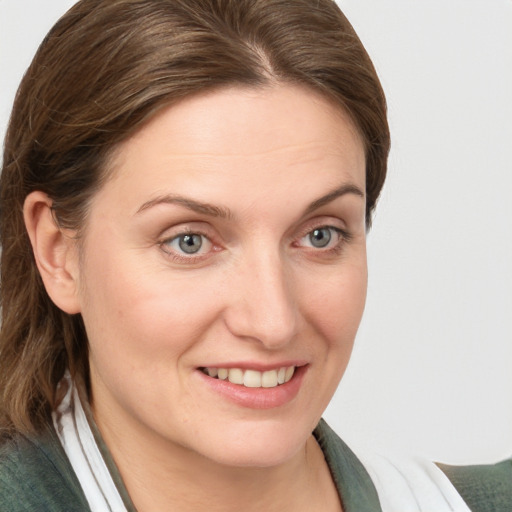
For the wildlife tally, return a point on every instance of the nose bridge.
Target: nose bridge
(264, 306)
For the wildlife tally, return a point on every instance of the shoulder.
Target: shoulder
(485, 488)
(36, 475)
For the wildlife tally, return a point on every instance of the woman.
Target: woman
(186, 189)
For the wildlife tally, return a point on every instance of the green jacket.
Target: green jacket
(485, 488)
(36, 476)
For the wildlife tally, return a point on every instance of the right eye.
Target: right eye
(187, 244)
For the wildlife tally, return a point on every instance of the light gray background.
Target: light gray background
(431, 371)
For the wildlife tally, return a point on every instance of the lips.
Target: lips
(252, 378)
(246, 386)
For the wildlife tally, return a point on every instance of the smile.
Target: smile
(252, 378)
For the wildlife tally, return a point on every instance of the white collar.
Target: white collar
(412, 484)
(78, 441)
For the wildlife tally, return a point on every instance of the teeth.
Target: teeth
(289, 373)
(252, 378)
(269, 379)
(236, 376)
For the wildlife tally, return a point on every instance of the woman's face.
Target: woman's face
(230, 240)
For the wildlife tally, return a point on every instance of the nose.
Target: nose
(262, 304)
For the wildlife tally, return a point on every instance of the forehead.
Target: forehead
(244, 137)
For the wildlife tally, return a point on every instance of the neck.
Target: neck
(166, 477)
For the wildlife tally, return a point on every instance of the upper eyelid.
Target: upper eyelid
(177, 231)
(205, 228)
(322, 221)
(186, 228)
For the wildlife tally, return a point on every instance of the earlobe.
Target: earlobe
(55, 252)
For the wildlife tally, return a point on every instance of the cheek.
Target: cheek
(334, 312)
(336, 306)
(143, 316)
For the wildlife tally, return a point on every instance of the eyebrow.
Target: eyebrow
(331, 196)
(196, 206)
(225, 213)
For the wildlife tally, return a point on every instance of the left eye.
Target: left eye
(322, 238)
(189, 243)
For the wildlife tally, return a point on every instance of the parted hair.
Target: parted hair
(103, 70)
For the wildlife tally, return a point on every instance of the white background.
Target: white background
(432, 368)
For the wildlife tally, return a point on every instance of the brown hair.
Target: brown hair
(103, 70)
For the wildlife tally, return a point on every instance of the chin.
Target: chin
(260, 445)
(255, 457)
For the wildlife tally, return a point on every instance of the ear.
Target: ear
(55, 252)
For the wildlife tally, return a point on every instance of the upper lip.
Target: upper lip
(258, 366)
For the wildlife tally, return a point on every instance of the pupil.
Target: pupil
(190, 243)
(320, 237)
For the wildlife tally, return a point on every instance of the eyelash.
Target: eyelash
(182, 258)
(343, 238)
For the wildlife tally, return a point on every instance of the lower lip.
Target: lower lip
(257, 398)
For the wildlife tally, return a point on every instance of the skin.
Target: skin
(258, 292)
